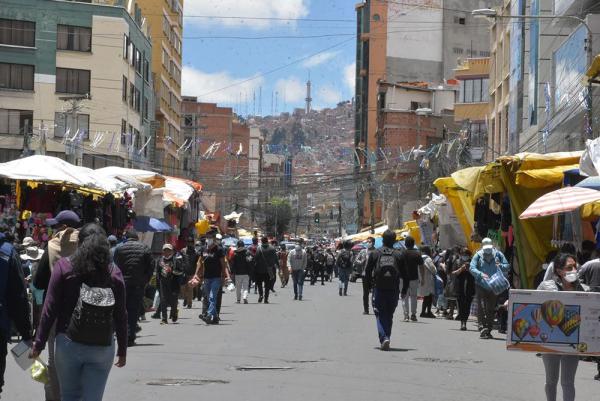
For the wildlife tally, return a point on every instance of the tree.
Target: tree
(278, 214)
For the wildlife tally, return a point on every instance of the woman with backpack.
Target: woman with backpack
(86, 300)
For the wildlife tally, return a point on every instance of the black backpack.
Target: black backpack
(92, 319)
(345, 262)
(386, 274)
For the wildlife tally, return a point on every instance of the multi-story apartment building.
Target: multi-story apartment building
(75, 82)
(217, 150)
(165, 18)
(539, 101)
(397, 41)
(472, 105)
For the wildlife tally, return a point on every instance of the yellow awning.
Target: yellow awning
(594, 69)
(462, 204)
(542, 177)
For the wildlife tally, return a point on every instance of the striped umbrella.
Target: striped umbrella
(562, 200)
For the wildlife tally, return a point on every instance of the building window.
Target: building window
(138, 61)
(137, 100)
(74, 38)
(457, 50)
(124, 90)
(16, 122)
(165, 58)
(123, 131)
(484, 53)
(460, 20)
(376, 18)
(145, 109)
(188, 121)
(66, 122)
(474, 90)
(16, 76)
(166, 25)
(17, 33)
(131, 94)
(146, 70)
(69, 80)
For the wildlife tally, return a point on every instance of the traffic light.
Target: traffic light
(317, 218)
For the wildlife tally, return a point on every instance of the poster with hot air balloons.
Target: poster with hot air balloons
(562, 322)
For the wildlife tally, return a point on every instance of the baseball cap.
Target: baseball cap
(168, 246)
(66, 217)
(487, 243)
(112, 239)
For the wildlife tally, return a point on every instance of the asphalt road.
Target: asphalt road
(328, 351)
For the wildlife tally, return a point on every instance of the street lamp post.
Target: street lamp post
(493, 14)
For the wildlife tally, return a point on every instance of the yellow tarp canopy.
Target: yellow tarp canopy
(412, 228)
(524, 177)
(542, 177)
(462, 203)
(594, 69)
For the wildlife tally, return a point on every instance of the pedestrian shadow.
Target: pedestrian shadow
(392, 349)
(147, 345)
(467, 330)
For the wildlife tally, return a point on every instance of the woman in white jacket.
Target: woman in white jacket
(565, 366)
(427, 273)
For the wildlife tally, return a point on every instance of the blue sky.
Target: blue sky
(211, 64)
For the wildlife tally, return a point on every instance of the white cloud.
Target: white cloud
(350, 76)
(328, 96)
(292, 88)
(209, 86)
(319, 59)
(267, 12)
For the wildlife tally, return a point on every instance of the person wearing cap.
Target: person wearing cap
(63, 243)
(135, 261)
(30, 260)
(484, 265)
(169, 274)
(212, 268)
(267, 263)
(191, 260)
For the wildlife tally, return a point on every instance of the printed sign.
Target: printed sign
(559, 322)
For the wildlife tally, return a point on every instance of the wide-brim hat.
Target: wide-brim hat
(32, 253)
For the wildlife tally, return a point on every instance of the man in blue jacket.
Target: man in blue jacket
(486, 262)
(14, 308)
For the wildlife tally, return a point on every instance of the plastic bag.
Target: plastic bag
(39, 372)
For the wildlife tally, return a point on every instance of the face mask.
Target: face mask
(571, 277)
(209, 242)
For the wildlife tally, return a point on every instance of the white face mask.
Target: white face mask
(571, 277)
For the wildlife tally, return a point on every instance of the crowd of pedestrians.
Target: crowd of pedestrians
(88, 291)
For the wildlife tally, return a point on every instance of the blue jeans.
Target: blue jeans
(82, 369)
(344, 279)
(298, 280)
(384, 306)
(212, 286)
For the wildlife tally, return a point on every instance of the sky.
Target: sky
(222, 67)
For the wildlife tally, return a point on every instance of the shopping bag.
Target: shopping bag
(39, 371)
(498, 283)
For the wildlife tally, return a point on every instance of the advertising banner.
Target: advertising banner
(557, 322)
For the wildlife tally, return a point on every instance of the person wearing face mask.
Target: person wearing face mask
(464, 287)
(566, 279)
(169, 270)
(486, 262)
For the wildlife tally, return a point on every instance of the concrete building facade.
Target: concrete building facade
(472, 105)
(75, 82)
(165, 18)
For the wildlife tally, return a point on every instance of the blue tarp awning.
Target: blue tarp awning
(144, 224)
